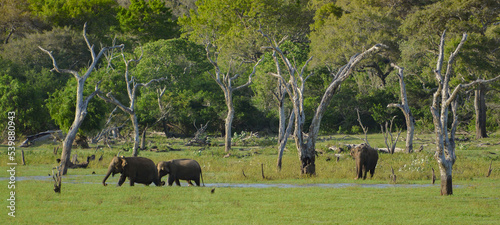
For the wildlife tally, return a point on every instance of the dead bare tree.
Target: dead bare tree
(200, 137)
(132, 87)
(225, 82)
(81, 102)
(405, 108)
(57, 176)
(390, 143)
(365, 129)
(306, 143)
(444, 99)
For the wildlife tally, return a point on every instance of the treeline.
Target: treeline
(171, 36)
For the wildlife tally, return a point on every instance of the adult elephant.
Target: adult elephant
(180, 169)
(366, 159)
(137, 169)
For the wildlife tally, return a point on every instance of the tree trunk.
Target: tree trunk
(135, 124)
(229, 123)
(143, 138)
(308, 159)
(410, 131)
(446, 179)
(165, 127)
(480, 108)
(80, 113)
(66, 150)
(284, 140)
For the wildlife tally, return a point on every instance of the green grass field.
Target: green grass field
(412, 200)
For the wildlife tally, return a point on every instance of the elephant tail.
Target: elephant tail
(203, 182)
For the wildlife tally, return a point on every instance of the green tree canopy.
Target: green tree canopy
(148, 21)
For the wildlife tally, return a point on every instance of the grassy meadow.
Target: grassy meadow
(309, 199)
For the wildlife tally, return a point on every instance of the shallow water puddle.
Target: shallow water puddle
(75, 179)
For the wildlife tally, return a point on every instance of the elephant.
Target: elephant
(180, 169)
(366, 160)
(137, 169)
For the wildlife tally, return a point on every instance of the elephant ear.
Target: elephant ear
(124, 163)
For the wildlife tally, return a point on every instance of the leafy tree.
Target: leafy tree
(66, 44)
(25, 96)
(335, 38)
(100, 15)
(16, 20)
(187, 91)
(148, 21)
(62, 105)
(477, 18)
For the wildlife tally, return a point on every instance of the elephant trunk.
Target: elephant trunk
(110, 170)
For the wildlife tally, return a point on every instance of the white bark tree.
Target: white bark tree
(405, 108)
(225, 82)
(443, 99)
(306, 144)
(280, 95)
(132, 87)
(81, 101)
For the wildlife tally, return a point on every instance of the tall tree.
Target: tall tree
(405, 108)
(81, 101)
(306, 144)
(132, 88)
(444, 99)
(474, 17)
(190, 90)
(225, 82)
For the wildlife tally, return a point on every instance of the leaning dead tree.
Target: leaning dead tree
(306, 143)
(225, 82)
(132, 87)
(443, 100)
(81, 101)
(405, 108)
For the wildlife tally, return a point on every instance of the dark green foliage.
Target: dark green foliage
(100, 15)
(330, 31)
(62, 104)
(67, 46)
(149, 21)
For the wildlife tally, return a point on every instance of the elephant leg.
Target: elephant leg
(359, 169)
(177, 182)
(170, 180)
(365, 171)
(121, 180)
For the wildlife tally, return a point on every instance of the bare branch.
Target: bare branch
(56, 68)
(251, 74)
(463, 86)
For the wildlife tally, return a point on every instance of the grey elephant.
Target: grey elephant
(137, 169)
(180, 169)
(366, 160)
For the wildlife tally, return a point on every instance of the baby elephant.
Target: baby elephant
(180, 169)
(366, 160)
(137, 169)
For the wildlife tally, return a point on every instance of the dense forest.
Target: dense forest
(177, 39)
